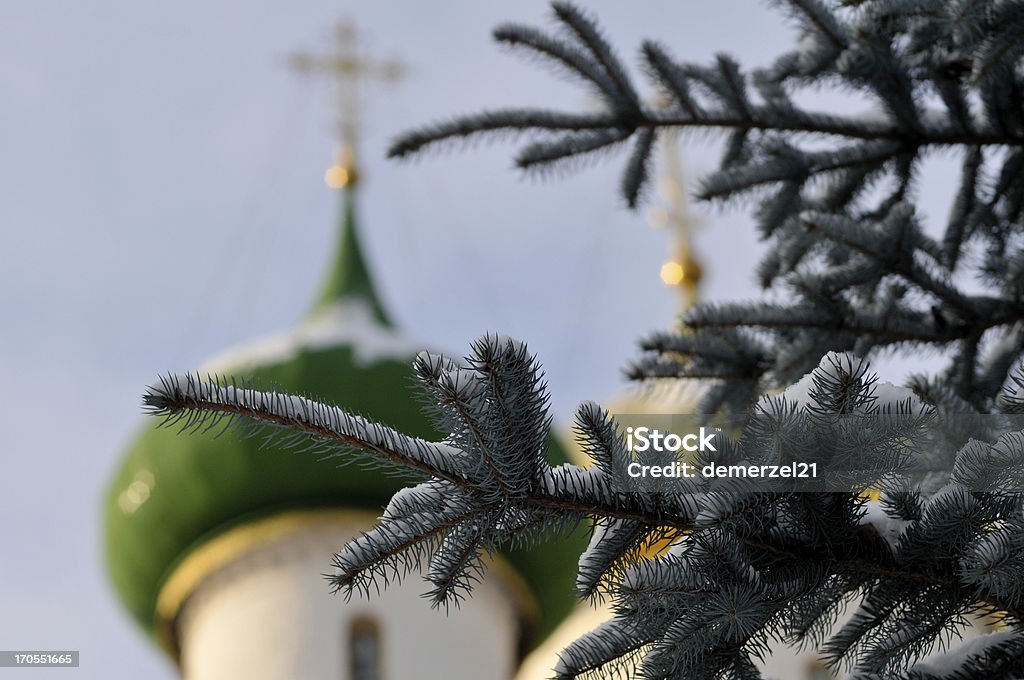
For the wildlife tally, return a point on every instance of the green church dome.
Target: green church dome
(175, 493)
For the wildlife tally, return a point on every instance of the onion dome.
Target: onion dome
(174, 494)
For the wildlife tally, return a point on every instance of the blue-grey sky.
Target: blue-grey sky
(162, 199)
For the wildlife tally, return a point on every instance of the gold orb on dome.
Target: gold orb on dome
(672, 273)
(337, 176)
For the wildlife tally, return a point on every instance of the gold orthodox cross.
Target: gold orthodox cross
(346, 67)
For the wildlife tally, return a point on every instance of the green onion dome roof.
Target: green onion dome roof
(174, 493)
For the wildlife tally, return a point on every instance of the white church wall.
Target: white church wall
(268, 615)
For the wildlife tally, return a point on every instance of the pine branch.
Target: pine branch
(590, 36)
(741, 566)
(195, 405)
(459, 509)
(893, 52)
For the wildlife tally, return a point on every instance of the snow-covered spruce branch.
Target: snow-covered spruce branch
(197, 404)
(744, 567)
(193, 403)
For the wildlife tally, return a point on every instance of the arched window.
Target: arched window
(364, 650)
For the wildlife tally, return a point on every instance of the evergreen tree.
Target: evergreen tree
(852, 272)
